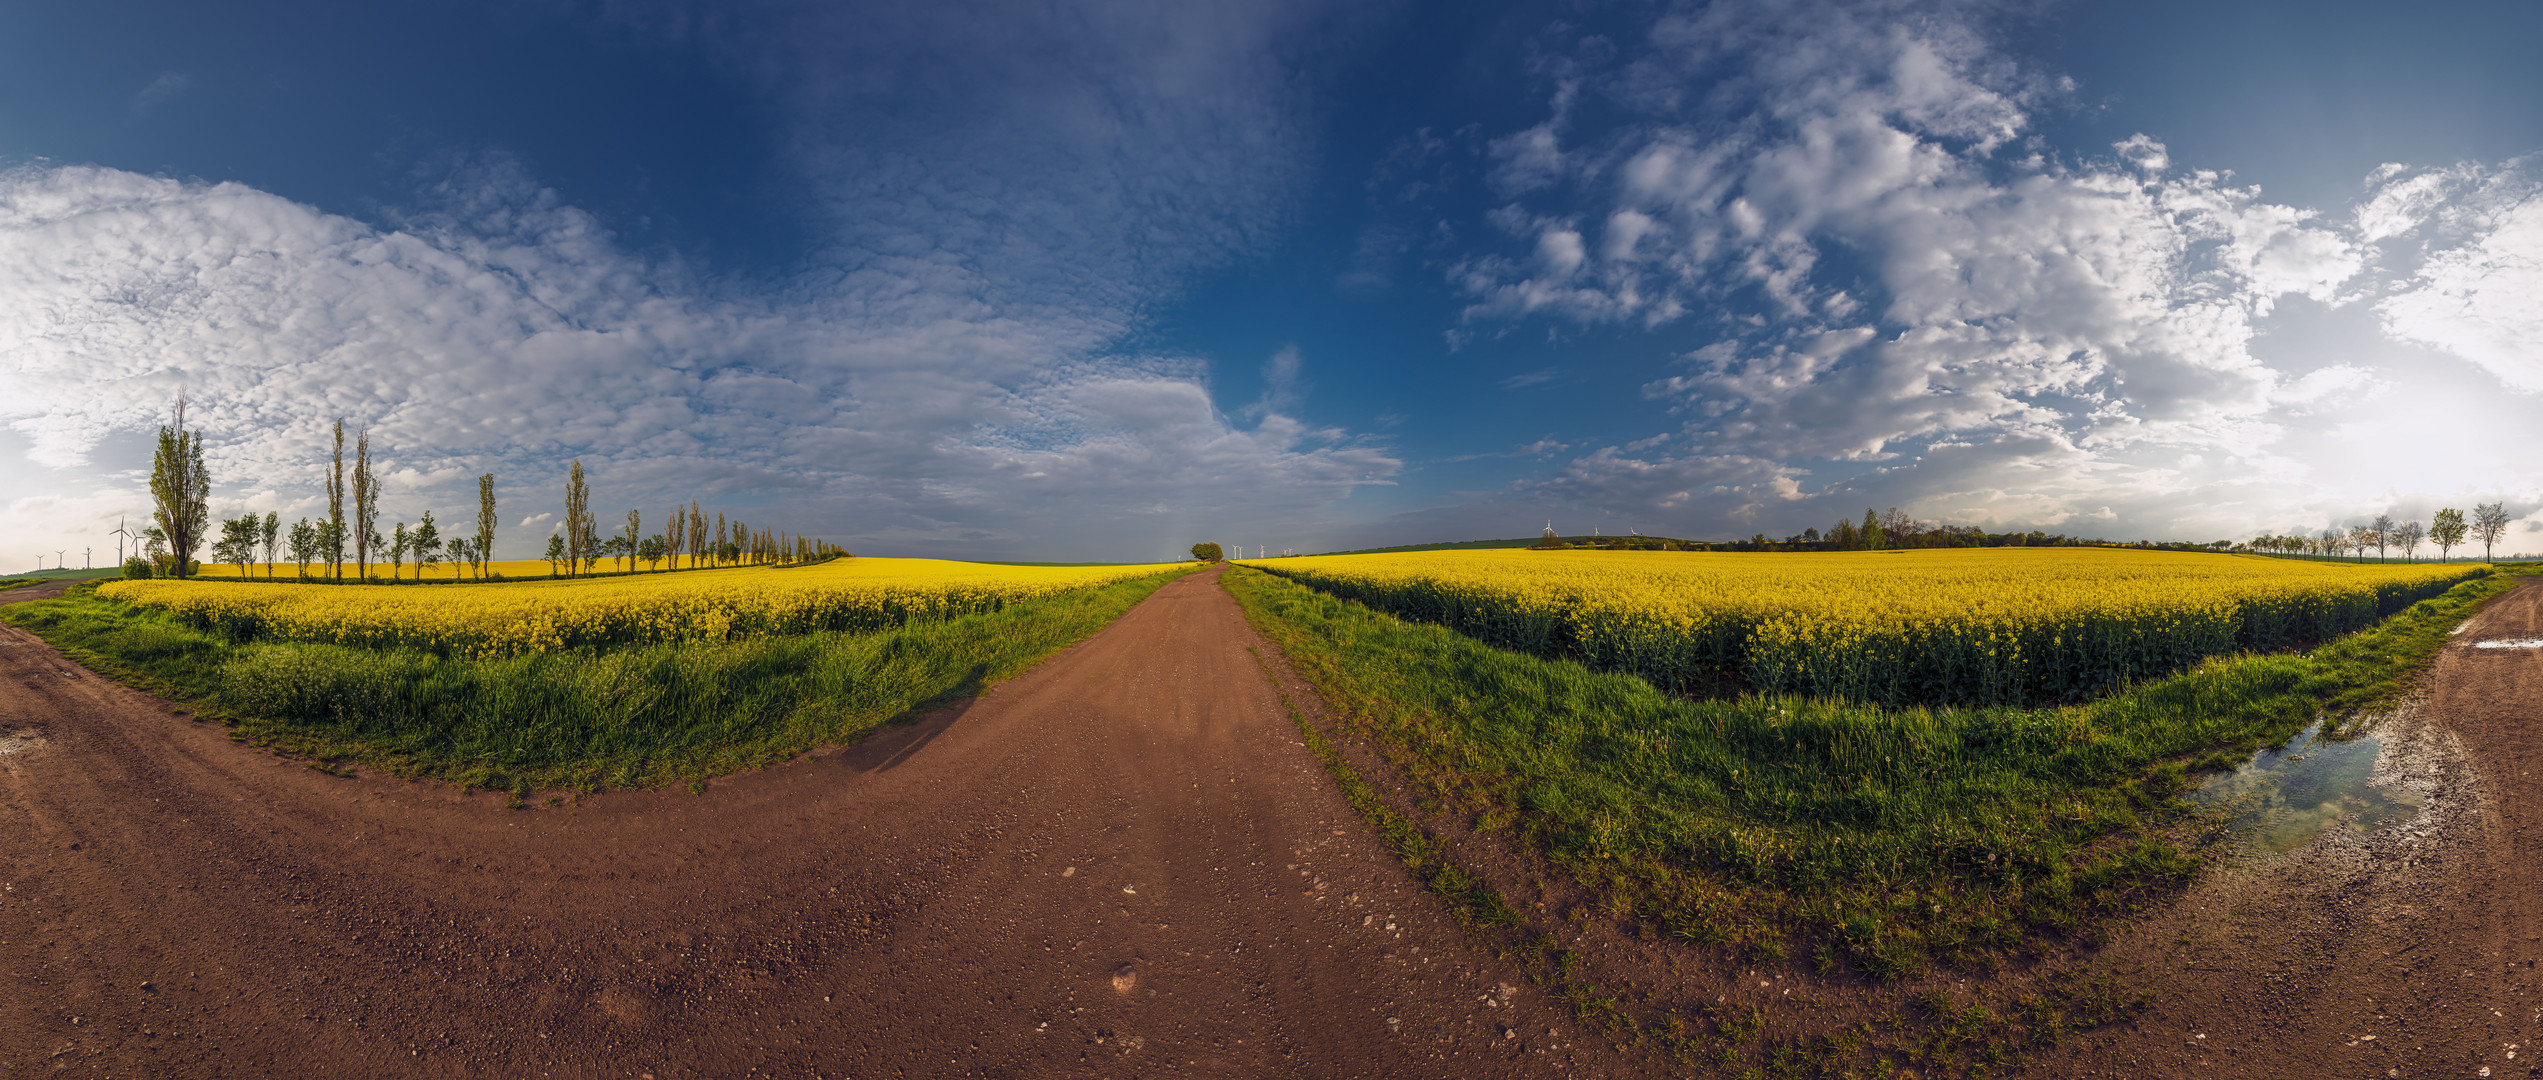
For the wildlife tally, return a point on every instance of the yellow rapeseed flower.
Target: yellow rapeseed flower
(858, 594)
(1992, 625)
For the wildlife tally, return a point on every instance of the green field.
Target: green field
(7, 580)
(1752, 823)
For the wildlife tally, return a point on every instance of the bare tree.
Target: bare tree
(2489, 524)
(2381, 532)
(2410, 536)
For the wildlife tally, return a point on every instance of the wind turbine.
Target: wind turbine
(61, 560)
(88, 558)
(119, 534)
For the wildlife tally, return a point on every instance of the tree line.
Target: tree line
(349, 536)
(577, 547)
(1892, 529)
(2448, 529)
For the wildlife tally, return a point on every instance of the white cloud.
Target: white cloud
(1917, 302)
(167, 85)
(2479, 297)
(1001, 197)
(2142, 151)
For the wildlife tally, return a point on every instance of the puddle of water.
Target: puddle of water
(2536, 644)
(2282, 799)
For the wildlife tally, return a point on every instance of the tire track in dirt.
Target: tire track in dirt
(1121, 863)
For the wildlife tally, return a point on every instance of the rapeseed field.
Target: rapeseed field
(515, 569)
(526, 618)
(1967, 626)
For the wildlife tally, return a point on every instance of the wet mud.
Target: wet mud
(2375, 904)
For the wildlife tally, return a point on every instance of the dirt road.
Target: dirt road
(1122, 863)
(2408, 951)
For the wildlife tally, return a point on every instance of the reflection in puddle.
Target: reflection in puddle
(2282, 799)
(2508, 644)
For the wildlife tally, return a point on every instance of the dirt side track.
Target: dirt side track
(2410, 951)
(1121, 863)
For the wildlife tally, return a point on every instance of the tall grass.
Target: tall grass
(579, 718)
(1880, 838)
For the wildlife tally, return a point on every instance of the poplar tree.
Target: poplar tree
(635, 538)
(180, 489)
(271, 533)
(483, 549)
(674, 535)
(578, 519)
(697, 533)
(366, 507)
(334, 533)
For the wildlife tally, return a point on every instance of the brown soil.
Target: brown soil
(2407, 952)
(1121, 863)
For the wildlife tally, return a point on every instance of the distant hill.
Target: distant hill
(48, 575)
(1524, 541)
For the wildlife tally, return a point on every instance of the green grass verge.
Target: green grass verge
(1876, 839)
(580, 720)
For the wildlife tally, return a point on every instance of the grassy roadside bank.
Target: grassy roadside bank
(1850, 837)
(583, 719)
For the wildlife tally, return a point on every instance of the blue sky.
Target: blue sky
(1099, 280)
